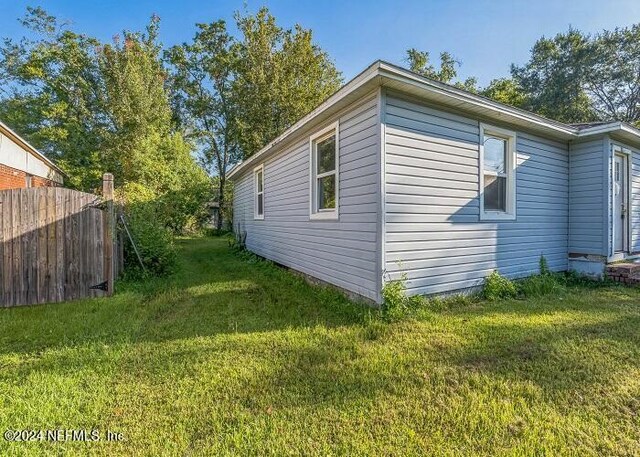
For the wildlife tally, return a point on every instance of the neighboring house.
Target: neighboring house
(21, 165)
(396, 173)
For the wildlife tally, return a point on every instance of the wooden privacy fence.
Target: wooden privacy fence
(56, 244)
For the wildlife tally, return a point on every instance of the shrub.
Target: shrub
(153, 239)
(544, 283)
(395, 300)
(154, 243)
(497, 286)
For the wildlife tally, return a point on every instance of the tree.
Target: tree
(202, 79)
(553, 79)
(234, 95)
(507, 91)
(281, 75)
(573, 77)
(52, 94)
(576, 77)
(611, 76)
(99, 107)
(419, 62)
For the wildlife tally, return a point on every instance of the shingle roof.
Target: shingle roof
(587, 125)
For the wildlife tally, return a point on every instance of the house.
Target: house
(21, 165)
(398, 174)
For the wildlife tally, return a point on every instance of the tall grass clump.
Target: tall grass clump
(498, 287)
(544, 283)
(395, 301)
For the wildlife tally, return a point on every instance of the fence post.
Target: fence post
(109, 230)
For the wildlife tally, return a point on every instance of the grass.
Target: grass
(233, 356)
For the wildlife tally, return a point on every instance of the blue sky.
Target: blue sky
(486, 36)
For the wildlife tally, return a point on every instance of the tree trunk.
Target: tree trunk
(221, 201)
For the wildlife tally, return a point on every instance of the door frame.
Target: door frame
(625, 154)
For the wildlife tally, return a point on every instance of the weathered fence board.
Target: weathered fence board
(53, 245)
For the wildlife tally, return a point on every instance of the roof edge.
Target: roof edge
(469, 97)
(382, 69)
(362, 78)
(4, 128)
(609, 128)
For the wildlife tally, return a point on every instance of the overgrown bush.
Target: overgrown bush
(144, 216)
(154, 243)
(498, 287)
(395, 300)
(545, 283)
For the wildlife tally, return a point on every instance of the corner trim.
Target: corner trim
(382, 220)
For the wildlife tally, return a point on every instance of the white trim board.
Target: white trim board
(388, 75)
(332, 129)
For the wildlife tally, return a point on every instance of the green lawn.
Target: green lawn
(235, 357)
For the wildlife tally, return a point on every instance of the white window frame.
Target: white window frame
(256, 193)
(314, 212)
(510, 169)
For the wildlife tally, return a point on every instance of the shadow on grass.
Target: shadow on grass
(569, 357)
(329, 367)
(214, 292)
(314, 343)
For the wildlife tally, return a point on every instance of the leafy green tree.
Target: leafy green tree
(233, 95)
(611, 75)
(51, 94)
(553, 79)
(280, 76)
(420, 62)
(203, 73)
(507, 91)
(575, 77)
(98, 107)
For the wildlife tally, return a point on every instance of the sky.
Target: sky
(485, 36)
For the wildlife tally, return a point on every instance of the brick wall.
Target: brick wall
(37, 181)
(10, 178)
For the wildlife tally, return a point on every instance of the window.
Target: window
(497, 173)
(259, 187)
(324, 174)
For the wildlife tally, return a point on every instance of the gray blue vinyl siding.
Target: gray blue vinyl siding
(433, 231)
(344, 252)
(588, 214)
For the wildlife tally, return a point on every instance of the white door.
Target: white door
(620, 203)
